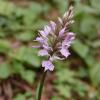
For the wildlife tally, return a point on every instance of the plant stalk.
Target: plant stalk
(40, 87)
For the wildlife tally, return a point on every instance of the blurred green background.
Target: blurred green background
(77, 78)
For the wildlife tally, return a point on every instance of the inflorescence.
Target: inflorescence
(55, 39)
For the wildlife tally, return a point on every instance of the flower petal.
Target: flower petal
(69, 38)
(52, 25)
(47, 30)
(60, 20)
(43, 33)
(43, 52)
(65, 52)
(36, 46)
(47, 47)
(61, 33)
(41, 40)
(56, 57)
(48, 65)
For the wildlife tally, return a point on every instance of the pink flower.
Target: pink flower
(61, 33)
(69, 38)
(43, 52)
(53, 26)
(55, 39)
(65, 52)
(48, 65)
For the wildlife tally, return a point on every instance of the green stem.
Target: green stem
(40, 87)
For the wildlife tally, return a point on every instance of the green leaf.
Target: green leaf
(32, 13)
(20, 97)
(82, 72)
(62, 5)
(96, 43)
(5, 71)
(84, 9)
(28, 55)
(96, 5)
(80, 48)
(57, 98)
(89, 60)
(26, 96)
(64, 78)
(61, 64)
(80, 87)
(87, 26)
(2, 34)
(64, 90)
(36, 7)
(4, 46)
(68, 76)
(29, 76)
(26, 74)
(66, 82)
(95, 73)
(6, 8)
(18, 68)
(39, 24)
(25, 36)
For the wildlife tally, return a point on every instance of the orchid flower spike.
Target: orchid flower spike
(55, 39)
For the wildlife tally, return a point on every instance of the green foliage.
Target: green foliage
(68, 74)
(27, 55)
(25, 36)
(4, 46)
(94, 72)
(20, 19)
(67, 78)
(4, 71)
(25, 74)
(6, 8)
(29, 76)
(27, 95)
(19, 97)
(69, 82)
(61, 5)
(57, 98)
(95, 4)
(87, 29)
(81, 48)
(64, 90)
(20, 24)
